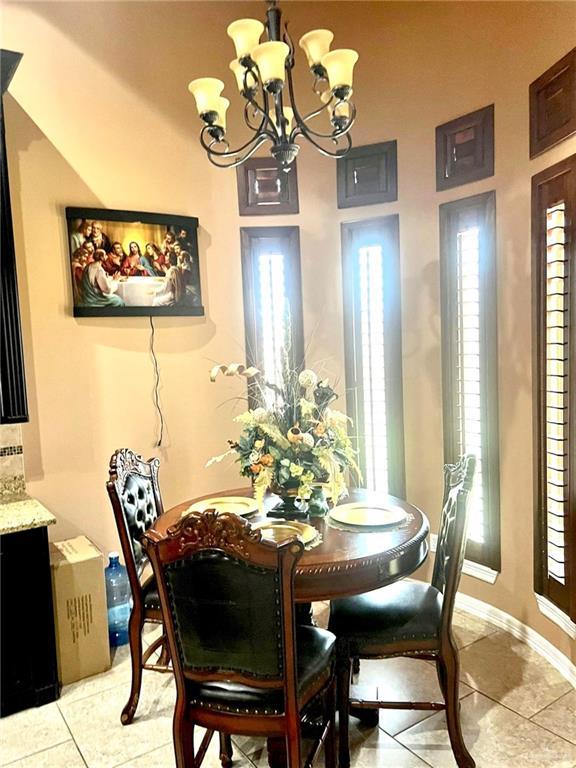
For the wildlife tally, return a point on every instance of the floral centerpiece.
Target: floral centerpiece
(296, 444)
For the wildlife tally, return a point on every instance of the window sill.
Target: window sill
(470, 568)
(554, 613)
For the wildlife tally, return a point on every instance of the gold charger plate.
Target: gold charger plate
(371, 515)
(280, 530)
(237, 505)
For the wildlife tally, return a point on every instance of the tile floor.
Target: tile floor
(517, 712)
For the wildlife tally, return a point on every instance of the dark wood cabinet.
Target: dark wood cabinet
(264, 189)
(465, 149)
(28, 646)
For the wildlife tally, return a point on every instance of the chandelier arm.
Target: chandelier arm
(337, 153)
(212, 155)
(305, 130)
(260, 137)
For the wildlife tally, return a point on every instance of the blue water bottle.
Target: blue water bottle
(118, 600)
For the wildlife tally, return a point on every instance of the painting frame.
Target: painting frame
(188, 306)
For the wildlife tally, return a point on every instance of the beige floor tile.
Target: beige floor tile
(369, 747)
(512, 673)
(120, 672)
(31, 731)
(104, 742)
(164, 756)
(560, 717)
(321, 612)
(403, 680)
(495, 736)
(64, 755)
(467, 628)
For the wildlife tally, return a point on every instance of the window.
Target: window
(373, 350)
(553, 232)
(272, 304)
(470, 360)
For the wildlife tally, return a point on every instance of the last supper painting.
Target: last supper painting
(133, 263)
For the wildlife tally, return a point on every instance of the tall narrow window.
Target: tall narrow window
(554, 273)
(373, 349)
(469, 351)
(272, 305)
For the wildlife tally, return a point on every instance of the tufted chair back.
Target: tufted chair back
(135, 496)
(451, 543)
(227, 597)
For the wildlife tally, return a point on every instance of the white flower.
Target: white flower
(308, 379)
(308, 440)
(260, 415)
(254, 456)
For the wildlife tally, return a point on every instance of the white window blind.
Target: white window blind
(373, 395)
(373, 350)
(273, 318)
(469, 415)
(557, 388)
(470, 361)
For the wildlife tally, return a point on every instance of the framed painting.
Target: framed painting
(130, 263)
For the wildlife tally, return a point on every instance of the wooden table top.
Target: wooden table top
(346, 562)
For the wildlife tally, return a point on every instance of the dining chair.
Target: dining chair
(135, 495)
(241, 663)
(411, 619)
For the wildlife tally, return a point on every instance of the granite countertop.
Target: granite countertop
(22, 513)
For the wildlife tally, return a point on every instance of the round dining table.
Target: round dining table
(343, 560)
(347, 560)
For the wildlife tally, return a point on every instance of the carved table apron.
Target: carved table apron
(347, 562)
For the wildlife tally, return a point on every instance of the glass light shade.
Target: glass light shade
(206, 91)
(238, 70)
(339, 65)
(270, 58)
(246, 35)
(288, 114)
(315, 44)
(222, 107)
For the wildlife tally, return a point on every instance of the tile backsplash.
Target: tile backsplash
(12, 484)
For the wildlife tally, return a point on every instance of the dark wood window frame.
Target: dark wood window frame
(250, 203)
(550, 187)
(382, 161)
(384, 230)
(287, 241)
(553, 105)
(483, 209)
(13, 397)
(448, 172)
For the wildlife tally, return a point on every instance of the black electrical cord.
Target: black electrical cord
(156, 383)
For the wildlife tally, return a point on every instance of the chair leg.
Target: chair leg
(343, 695)
(293, 748)
(448, 666)
(225, 750)
(135, 640)
(330, 717)
(183, 729)
(164, 658)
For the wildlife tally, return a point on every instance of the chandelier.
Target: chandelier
(263, 73)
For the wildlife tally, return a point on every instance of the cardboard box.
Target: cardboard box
(80, 610)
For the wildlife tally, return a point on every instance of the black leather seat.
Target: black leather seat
(407, 611)
(314, 656)
(411, 619)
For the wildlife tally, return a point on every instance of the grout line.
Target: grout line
(150, 751)
(548, 705)
(38, 751)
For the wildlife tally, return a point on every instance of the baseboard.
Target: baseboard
(520, 631)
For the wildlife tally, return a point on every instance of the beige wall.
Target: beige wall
(99, 115)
